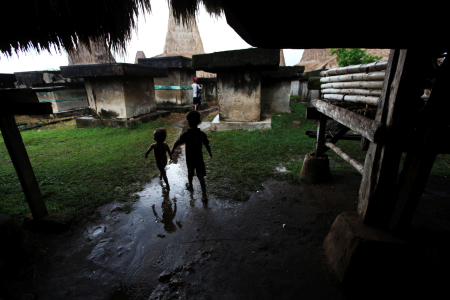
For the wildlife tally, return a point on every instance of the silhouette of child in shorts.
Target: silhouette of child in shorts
(194, 138)
(159, 135)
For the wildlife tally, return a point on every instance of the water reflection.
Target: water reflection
(169, 211)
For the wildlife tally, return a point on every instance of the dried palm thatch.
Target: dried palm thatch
(183, 10)
(315, 59)
(60, 24)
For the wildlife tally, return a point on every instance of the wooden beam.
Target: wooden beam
(355, 77)
(371, 129)
(352, 92)
(376, 66)
(17, 152)
(356, 164)
(421, 156)
(401, 84)
(352, 98)
(353, 84)
(18, 108)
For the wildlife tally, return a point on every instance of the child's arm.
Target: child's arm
(209, 150)
(168, 151)
(148, 151)
(177, 143)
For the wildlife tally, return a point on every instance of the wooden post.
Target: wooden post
(17, 152)
(321, 139)
(422, 153)
(377, 195)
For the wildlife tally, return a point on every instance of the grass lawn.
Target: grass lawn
(79, 169)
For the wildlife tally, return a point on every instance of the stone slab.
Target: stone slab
(290, 73)
(176, 88)
(183, 108)
(295, 87)
(89, 121)
(63, 98)
(314, 73)
(174, 62)
(218, 125)
(113, 69)
(364, 258)
(43, 78)
(244, 59)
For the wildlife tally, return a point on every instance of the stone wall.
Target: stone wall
(239, 95)
(120, 98)
(176, 88)
(275, 95)
(295, 87)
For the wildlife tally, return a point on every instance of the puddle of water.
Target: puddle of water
(156, 221)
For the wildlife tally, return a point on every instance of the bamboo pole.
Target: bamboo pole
(356, 164)
(373, 130)
(355, 77)
(376, 66)
(354, 84)
(351, 92)
(353, 98)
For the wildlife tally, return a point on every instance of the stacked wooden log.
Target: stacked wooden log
(357, 84)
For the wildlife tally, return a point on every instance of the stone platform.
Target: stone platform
(90, 121)
(264, 123)
(181, 108)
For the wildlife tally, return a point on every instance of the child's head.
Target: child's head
(160, 135)
(195, 80)
(193, 118)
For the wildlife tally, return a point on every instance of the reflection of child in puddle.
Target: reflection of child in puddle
(168, 214)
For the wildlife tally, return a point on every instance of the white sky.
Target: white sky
(150, 37)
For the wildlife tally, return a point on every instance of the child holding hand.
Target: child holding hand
(159, 135)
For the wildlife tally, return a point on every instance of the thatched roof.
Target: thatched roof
(315, 59)
(96, 52)
(48, 24)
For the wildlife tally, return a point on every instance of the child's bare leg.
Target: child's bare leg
(189, 185)
(163, 175)
(203, 185)
(165, 180)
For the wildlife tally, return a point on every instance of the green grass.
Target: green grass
(210, 117)
(242, 160)
(80, 169)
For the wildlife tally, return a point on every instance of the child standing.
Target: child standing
(196, 94)
(194, 138)
(159, 135)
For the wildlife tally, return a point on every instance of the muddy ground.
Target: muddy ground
(171, 245)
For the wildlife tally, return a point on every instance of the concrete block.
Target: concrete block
(239, 95)
(63, 98)
(219, 125)
(43, 78)
(275, 95)
(176, 88)
(172, 62)
(112, 69)
(90, 121)
(245, 59)
(295, 87)
(368, 260)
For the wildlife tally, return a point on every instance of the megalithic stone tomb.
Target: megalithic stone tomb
(276, 88)
(239, 81)
(117, 91)
(176, 88)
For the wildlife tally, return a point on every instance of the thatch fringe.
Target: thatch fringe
(62, 24)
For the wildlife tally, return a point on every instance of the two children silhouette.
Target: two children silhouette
(194, 138)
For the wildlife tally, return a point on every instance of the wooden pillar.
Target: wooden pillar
(17, 152)
(422, 152)
(320, 138)
(377, 196)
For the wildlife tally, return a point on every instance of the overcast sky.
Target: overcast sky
(150, 37)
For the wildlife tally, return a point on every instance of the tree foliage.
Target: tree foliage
(353, 56)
